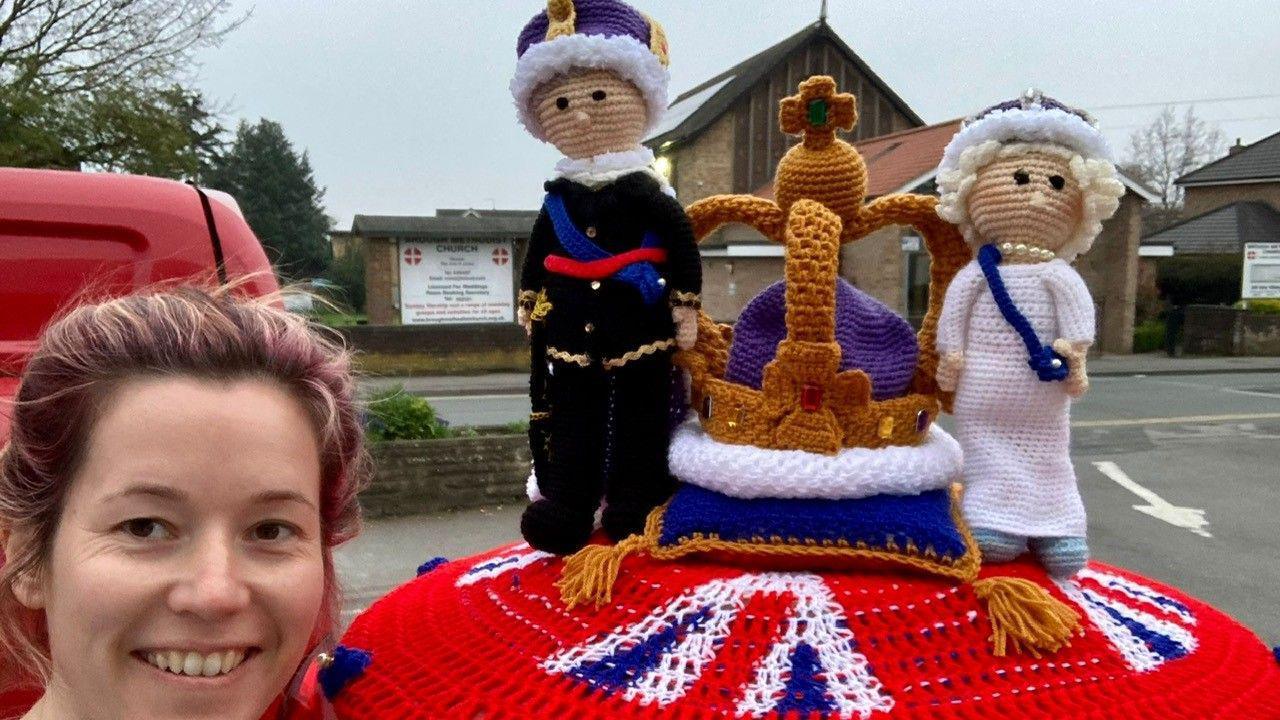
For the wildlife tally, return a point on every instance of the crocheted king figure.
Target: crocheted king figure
(1029, 183)
(611, 282)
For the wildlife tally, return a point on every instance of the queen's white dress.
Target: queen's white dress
(1014, 428)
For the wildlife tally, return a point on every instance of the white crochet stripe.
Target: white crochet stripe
(1136, 592)
(1032, 125)
(622, 54)
(747, 471)
(523, 556)
(815, 618)
(1132, 648)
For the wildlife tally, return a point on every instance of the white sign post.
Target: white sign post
(1260, 279)
(448, 282)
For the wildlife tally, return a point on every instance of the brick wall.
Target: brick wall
(704, 167)
(728, 284)
(423, 476)
(382, 281)
(1200, 200)
(874, 264)
(1110, 269)
(1220, 330)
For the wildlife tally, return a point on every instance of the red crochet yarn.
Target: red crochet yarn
(488, 637)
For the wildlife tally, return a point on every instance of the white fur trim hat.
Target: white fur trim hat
(1032, 118)
(591, 35)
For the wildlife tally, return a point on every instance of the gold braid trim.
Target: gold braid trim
(642, 351)
(566, 357)
(541, 306)
(680, 298)
(527, 299)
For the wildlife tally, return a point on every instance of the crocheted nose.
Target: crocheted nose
(872, 338)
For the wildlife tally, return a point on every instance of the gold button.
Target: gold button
(662, 282)
(591, 231)
(595, 284)
(886, 426)
(589, 327)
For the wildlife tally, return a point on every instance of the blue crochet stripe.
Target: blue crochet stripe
(1041, 357)
(806, 689)
(431, 564)
(348, 664)
(643, 276)
(923, 519)
(1159, 643)
(620, 670)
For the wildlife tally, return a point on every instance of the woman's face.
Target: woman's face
(187, 573)
(1031, 198)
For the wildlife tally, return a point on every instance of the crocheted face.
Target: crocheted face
(591, 112)
(1031, 198)
(185, 580)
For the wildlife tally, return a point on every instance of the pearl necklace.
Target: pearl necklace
(1022, 251)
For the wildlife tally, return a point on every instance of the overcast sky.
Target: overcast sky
(404, 107)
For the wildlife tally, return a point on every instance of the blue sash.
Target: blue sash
(643, 276)
(1049, 365)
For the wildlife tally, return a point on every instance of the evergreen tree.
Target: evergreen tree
(277, 190)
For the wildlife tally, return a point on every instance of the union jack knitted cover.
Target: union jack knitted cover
(487, 637)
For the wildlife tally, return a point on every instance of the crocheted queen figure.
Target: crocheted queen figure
(1029, 183)
(611, 282)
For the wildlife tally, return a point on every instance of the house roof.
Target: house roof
(1220, 231)
(694, 110)
(503, 224)
(1259, 161)
(902, 161)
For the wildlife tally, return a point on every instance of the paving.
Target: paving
(1200, 452)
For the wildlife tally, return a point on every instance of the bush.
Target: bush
(393, 414)
(1148, 336)
(1199, 279)
(348, 275)
(1261, 307)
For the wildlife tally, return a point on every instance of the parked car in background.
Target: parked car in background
(65, 235)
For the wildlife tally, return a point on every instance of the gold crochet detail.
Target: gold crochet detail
(566, 357)
(642, 351)
(686, 299)
(658, 42)
(562, 18)
(541, 306)
(805, 402)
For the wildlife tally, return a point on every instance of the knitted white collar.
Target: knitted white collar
(602, 169)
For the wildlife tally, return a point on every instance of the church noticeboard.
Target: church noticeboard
(444, 282)
(1260, 278)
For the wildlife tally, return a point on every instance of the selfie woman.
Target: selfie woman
(181, 465)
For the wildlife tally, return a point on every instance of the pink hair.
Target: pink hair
(185, 331)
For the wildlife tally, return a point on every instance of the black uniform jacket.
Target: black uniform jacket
(606, 319)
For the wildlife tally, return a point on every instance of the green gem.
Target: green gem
(818, 113)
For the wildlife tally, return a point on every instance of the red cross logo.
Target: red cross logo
(501, 256)
(413, 256)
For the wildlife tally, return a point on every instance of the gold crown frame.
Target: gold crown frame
(806, 402)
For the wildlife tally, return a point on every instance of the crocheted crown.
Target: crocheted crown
(591, 35)
(1032, 118)
(813, 364)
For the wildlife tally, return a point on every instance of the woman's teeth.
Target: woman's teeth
(196, 664)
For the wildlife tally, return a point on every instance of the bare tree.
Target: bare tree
(61, 47)
(1169, 148)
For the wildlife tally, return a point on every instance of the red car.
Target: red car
(63, 234)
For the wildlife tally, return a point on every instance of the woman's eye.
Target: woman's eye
(273, 531)
(598, 95)
(145, 529)
(562, 103)
(1022, 177)
(1057, 181)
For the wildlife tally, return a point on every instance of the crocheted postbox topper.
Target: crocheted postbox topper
(591, 35)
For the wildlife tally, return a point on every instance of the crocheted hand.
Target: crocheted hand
(686, 320)
(522, 317)
(949, 367)
(1076, 353)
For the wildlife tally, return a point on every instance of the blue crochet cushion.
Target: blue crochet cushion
(924, 531)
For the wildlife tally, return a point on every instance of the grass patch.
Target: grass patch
(462, 363)
(1148, 336)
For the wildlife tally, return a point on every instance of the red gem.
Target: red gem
(811, 397)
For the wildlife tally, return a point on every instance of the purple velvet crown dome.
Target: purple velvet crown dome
(872, 338)
(608, 18)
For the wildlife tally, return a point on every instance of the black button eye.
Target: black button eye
(1057, 181)
(598, 95)
(562, 103)
(1022, 177)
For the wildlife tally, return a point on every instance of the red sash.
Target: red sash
(601, 269)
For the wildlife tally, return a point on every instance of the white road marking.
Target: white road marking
(1191, 419)
(1192, 519)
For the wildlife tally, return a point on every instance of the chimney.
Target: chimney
(1238, 147)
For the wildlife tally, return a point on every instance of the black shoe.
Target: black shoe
(555, 528)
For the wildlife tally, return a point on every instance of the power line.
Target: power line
(1196, 101)
(1208, 120)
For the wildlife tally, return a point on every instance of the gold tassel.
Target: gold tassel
(589, 574)
(1025, 616)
